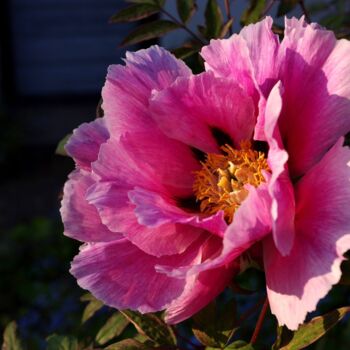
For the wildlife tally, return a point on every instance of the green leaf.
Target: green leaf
(92, 307)
(251, 280)
(114, 326)
(309, 332)
(184, 52)
(60, 150)
(149, 31)
(186, 9)
(254, 12)
(226, 27)
(128, 344)
(11, 339)
(134, 13)
(213, 19)
(286, 6)
(59, 342)
(241, 345)
(151, 326)
(214, 324)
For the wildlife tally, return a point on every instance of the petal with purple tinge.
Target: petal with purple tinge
(84, 145)
(117, 213)
(251, 223)
(295, 283)
(153, 210)
(81, 220)
(128, 88)
(117, 272)
(152, 161)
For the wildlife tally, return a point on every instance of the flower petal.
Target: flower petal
(317, 93)
(85, 142)
(280, 187)
(199, 291)
(123, 276)
(128, 88)
(81, 220)
(193, 108)
(295, 283)
(152, 161)
(117, 213)
(251, 223)
(153, 210)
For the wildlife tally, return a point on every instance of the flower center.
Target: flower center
(219, 185)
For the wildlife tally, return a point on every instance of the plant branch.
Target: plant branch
(183, 26)
(305, 11)
(260, 321)
(228, 14)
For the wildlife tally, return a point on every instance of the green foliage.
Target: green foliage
(114, 327)
(149, 31)
(309, 332)
(59, 342)
(215, 324)
(254, 12)
(286, 6)
(213, 19)
(128, 344)
(151, 326)
(186, 9)
(11, 340)
(134, 13)
(91, 308)
(60, 150)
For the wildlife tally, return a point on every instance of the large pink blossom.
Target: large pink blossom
(155, 238)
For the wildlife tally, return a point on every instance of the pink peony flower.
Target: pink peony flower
(173, 185)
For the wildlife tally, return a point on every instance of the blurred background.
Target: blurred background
(53, 60)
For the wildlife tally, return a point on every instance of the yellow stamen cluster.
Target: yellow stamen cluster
(219, 185)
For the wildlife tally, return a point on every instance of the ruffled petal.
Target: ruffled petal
(280, 187)
(198, 109)
(84, 145)
(153, 210)
(251, 58)
(295, 283)
(316, 78)
(81, 220)
(251, 223)
(117, 212)
(199, 291)
(152, 161)
(128, 88)
(123, 276)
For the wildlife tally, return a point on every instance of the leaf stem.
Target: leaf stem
(305, 11)
(183, 26)
(228, 14)
(260, 321)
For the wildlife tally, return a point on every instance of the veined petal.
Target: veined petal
(193, 108)
(81, 219)
(296, 282)
(316, 102)
(251, 223)
(117, 212)
(123, 276)
(280, 186)
(84, 145)
(128, 88)
(151, 160)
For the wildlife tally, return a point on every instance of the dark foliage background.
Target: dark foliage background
(53, 57)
